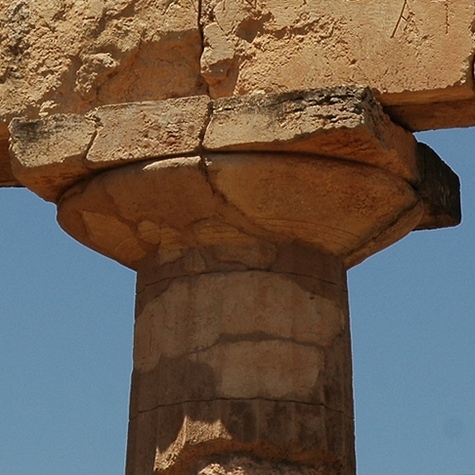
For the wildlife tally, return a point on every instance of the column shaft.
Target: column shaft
(242, 368)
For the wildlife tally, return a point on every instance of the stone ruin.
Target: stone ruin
(240, 155)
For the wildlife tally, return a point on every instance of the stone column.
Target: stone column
(241, 216)
(242, 359)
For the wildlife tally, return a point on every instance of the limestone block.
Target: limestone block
(204, 339)
(141, 131)
(440, 191)
(70, 56)
(218, 54)
(251, 466)
(163, 209)
(306, 266)
(279, 193)
(201, 437)
(68, 147)
(48, 154)
(410, 53)
(269, 197)
(344, 122)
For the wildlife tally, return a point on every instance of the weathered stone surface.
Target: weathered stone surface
(305, 265)
(410, 53)
(160, 209)
(218, 54)
(343, 122)
(279, 193)
(429, 115)
(48, 154)
(51, 154)
(250, 466)
(243, 197)
(70, 56)
(285, 436)
(250, 362)
(258, 342)
(242, 346)
(141, 131)
(440, 192)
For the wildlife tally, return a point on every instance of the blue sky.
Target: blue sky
(66, 318)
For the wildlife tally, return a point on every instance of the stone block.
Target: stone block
(168, 196)
(69, 57)
(341, 122)
(59, 57)
(417, 57)
(412, 54)
(47, 155)
(50, 154)
(440, 191)
(280, 192)
(146, 130)
(242, 362)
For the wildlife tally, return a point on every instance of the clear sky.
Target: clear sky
(66, 316)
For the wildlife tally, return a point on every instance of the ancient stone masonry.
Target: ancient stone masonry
(70, 56)
(240, 216)
(222, 150)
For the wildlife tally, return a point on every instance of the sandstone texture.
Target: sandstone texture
(69, 56)
(267, 157)
(244, 465)
(221, 149)
(184, 202)
(72, 56)
(408, 51)
(243, 352)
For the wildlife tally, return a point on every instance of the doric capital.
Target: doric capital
(324, 167)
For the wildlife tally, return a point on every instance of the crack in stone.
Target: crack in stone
(238, 218)
(185, 276)
(97, 124)
(401, 17)
(264, 399)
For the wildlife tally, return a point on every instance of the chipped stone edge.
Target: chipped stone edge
(392, 147)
